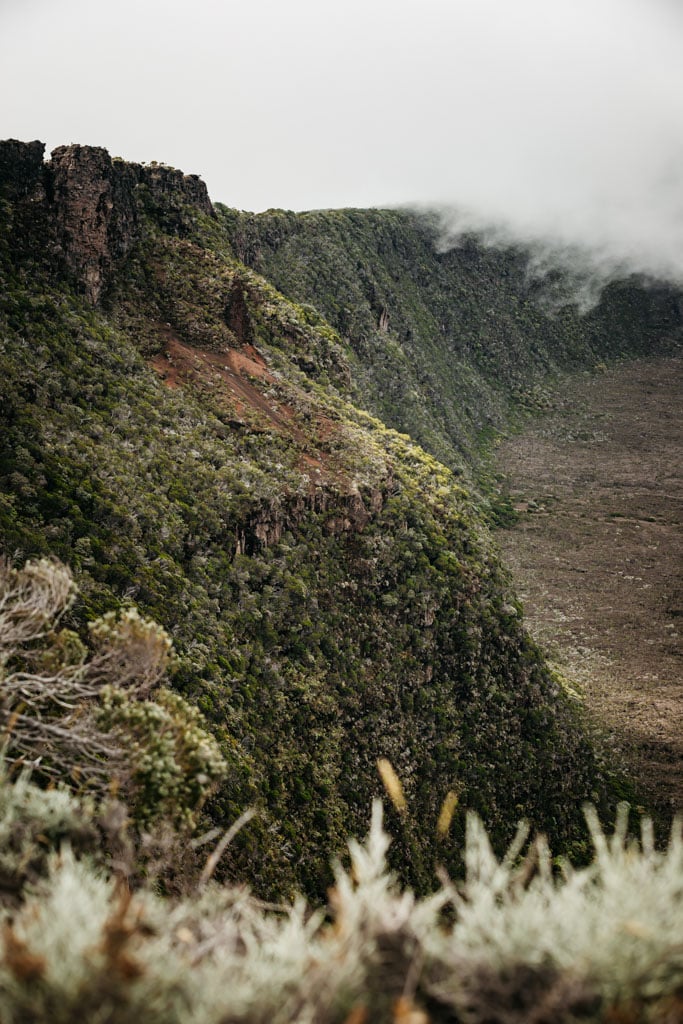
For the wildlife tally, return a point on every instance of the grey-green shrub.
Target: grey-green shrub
(515, 942)
(98, 719)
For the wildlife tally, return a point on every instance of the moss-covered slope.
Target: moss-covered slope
(182, 435)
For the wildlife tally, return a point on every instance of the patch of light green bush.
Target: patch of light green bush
(100, 718)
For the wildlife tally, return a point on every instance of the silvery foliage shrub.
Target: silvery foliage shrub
(34, 822)
(512, 943)
(98, 717)
(176, 762)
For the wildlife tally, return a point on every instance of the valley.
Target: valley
(597, 550)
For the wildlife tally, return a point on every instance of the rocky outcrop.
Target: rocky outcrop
(347, 512)
(237, 315)
(169, 186)
(26, 227)
(95, 210)
(98, 206)
(21, 169)
(94, 204)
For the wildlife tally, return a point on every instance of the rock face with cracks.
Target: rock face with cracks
(92, 201)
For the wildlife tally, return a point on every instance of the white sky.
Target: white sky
(560, 119)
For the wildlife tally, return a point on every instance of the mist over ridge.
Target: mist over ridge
(580, 111)
(558, 124)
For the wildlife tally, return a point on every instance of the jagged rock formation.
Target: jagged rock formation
(93, 202)
(21, 169)
(95, 214)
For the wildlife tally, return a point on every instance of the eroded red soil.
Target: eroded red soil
(236, 378)
(597, 555)
(230, 370)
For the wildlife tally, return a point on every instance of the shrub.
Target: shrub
(515, 943)
(88, 717)
(175, 762)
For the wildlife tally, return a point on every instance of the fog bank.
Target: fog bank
(560, 123)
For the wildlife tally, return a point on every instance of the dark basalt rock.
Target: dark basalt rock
(21, 169)
(91, 206)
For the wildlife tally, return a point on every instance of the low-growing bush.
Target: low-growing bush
(517, 942)
(98, 719)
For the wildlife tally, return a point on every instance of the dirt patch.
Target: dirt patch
(598, 550)
(235, 378)
(228, 372)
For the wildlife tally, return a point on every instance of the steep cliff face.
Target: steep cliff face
(182, 434)
(21, 169)
(446, 343)
(95, 213)
(92, 206)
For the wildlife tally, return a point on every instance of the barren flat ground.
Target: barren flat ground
(597, 555)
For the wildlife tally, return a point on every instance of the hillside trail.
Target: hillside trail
(597, 553)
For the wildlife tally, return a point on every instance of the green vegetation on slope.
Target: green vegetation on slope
(87, 933)
(445, 343)
(331, 591)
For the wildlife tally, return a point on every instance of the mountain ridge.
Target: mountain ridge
(448, 343)
(189, 438)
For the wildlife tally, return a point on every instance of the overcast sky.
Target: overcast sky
(560, 120)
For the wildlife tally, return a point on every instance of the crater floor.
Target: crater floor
(598, 550)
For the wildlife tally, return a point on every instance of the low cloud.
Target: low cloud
(557, 123)
(581, 107)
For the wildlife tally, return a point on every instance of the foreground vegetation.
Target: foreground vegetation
(109, 911)
(516, 942)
